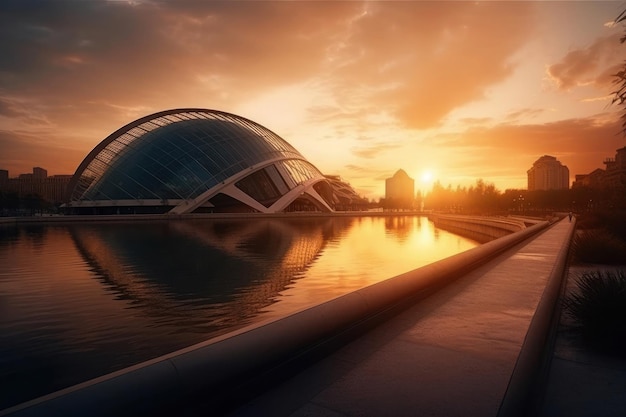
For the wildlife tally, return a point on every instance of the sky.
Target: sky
(447, 91)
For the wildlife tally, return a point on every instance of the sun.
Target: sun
(427, 176)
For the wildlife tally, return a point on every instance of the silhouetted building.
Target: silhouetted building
(39, 173)
(197, 160)
(595, 179)
(547, 173)
(615, 173)
(38, 183)
(614, 177)
(400, 190)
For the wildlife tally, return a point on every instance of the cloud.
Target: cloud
(21, 151)
(421, 60)
(506, 150)
(595, 65)
(22, 112)
(524, 114)
(375, 150)
(410, 57)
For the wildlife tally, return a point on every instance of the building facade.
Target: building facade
(196, 160)
(613, 177)
(52, 188)
(615, 172)
(547, 173)
(400, 190)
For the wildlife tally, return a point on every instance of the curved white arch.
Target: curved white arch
(229, 188)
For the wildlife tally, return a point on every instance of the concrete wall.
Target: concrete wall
(481, 229)
(219, 368)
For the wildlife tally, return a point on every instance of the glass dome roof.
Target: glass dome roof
(179, 155)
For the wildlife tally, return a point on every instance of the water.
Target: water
(80, 300)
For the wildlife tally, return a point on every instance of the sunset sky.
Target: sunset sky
(458, 90)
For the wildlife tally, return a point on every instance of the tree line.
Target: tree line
(484, 198)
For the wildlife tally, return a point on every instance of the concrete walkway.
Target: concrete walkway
(452, 354)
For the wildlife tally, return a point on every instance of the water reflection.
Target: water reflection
(203, 276)
(81, 300)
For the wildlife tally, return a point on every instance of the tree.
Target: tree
(619, 95)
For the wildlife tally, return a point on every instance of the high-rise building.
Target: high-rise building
(547, 173)
(400, 190)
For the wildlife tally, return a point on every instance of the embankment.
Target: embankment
(480, 229)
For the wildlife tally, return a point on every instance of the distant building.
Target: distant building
(594, 179)
(39, 173)
(613, 177)
(615, 173)
(52, 189)
(400, 190)
(547, 173)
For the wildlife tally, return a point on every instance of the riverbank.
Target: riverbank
(218, 368)
(199, 216)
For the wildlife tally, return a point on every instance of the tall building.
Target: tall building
(400, 190)
(197, 160)
(547, 173)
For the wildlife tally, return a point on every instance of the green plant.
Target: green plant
(598, 307)
(598, 247)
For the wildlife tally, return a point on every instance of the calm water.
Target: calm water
(81, 300)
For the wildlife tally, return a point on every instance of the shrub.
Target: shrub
(586, 221)
(598, 247)
(598, 307)
(615, 221)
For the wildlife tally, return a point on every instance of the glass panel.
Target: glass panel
(181, 155)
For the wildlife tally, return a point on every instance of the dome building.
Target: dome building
(196, 160)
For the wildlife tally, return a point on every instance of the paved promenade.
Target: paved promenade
(452, 354)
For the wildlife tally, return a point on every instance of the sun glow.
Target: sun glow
(427, 176)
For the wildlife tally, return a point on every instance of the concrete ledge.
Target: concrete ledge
(210, 370)
(482, 229)
(522, 393)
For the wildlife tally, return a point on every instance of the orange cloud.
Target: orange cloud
(421, 60)
(507, 151)
(596, 64)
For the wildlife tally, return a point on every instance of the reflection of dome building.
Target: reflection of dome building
(196, 160)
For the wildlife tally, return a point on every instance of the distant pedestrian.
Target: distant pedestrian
(570, 216)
